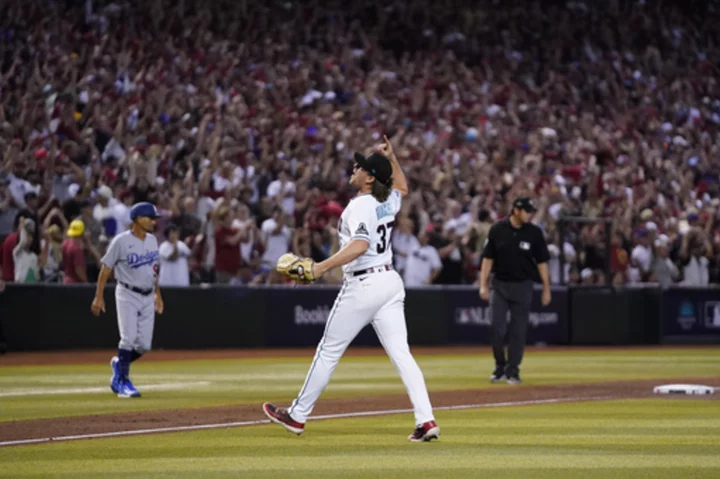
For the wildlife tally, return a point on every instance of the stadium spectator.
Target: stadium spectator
(174, 254)
(93, 229)
(587, 278)
(227, 247)
(642, 254)
(599, 109)
(694, 254)
(8, 246)
(404, 243)
(27, 266)
(423, 262)
(663, 270)
(8, 210)
(73, 254)
(104, 211)
(51, 246)
(554, 263)
(187, 219)
(276, 239)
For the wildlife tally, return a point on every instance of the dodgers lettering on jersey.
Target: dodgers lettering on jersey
(367, 219)
(136, 262)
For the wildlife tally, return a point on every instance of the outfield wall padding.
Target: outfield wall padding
(53, 317)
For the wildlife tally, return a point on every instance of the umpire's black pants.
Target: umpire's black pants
(513, 297)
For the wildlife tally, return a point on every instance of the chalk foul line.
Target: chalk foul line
(314, 418)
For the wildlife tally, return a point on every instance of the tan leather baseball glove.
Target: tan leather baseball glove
(296, 268)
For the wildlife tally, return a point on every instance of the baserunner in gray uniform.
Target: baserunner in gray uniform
(134, 257)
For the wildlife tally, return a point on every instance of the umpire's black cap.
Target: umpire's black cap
(526, 204)
(377, 165)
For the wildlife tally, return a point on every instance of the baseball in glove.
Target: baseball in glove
(296, 268)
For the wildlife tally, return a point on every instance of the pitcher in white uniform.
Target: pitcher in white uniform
(372, 293)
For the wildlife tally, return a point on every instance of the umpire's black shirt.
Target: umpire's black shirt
(515, 252)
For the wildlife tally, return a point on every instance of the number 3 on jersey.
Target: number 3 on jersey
(385, 232)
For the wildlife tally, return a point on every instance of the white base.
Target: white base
(684, 389)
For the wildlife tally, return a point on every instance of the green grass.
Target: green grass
(659, 438)
(251, 381)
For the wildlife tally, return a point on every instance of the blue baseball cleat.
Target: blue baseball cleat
(115, 380)
(127, 390)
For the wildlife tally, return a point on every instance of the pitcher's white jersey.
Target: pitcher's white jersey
(375, 297)
(367, 219)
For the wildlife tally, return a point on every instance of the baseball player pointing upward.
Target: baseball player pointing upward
(372, 293)
(134, 257)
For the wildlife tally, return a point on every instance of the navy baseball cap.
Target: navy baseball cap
(525, 204)
(377, 165)
(143, 209)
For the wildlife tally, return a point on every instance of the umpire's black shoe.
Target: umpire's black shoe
(498, 376)
(514, 379)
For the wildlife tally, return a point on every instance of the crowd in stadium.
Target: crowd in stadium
(239, 119)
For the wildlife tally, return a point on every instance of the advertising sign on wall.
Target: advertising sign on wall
(689, 312)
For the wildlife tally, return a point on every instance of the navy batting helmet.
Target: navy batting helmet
(143, 209)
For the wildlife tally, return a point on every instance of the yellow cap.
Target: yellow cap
(77, 228)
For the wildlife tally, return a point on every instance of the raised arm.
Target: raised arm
(399, 180)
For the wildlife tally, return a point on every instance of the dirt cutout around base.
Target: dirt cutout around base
(499, 394)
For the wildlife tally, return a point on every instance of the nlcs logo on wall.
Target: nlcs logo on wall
(712, 314)
(686, 316)
(477, 315)
(481, 316)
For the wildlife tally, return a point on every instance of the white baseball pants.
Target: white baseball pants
(377, 298)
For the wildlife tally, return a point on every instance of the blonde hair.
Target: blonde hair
(381, 191)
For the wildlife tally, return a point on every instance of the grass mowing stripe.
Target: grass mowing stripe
(327, 416)
(43, 392)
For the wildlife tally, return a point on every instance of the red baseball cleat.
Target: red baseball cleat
(425, 432)
(280, 415)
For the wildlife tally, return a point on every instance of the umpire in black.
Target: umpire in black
(515, 251)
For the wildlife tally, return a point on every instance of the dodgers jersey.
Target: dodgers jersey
(135, 261)
(365, 218)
